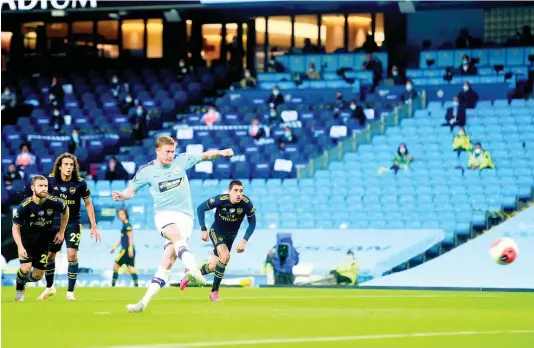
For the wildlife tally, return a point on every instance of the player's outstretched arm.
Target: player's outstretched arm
(125, 195)
(214, 154)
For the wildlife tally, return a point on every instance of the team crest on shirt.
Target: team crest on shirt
(41, 213)
(72, 190)
(176, 170)
(50, 212)
(220, 239)
(16, 214)
(232, 210)
(168, 175)
(240, 211)
(63, 189)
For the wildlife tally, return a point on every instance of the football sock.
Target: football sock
(219, 274)
(135, 279)
(72, 272)
(114, 278)
(30, 278)
(187, 258)
(205, 269)
(21, 280)
(158, 281)
(49, 272)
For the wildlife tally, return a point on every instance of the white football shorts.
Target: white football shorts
(183, 221)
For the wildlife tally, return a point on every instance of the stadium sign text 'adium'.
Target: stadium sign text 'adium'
(47, 4)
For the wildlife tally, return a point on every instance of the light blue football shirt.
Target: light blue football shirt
(169, 185)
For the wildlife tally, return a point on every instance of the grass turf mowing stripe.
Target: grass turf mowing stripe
(328, 339)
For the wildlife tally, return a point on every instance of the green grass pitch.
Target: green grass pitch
(270, 318)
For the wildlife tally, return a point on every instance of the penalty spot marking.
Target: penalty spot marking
(328, 339)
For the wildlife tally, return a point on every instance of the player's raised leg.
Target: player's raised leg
(158, 280)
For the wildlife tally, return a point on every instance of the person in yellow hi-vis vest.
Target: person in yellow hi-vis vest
(347, 271)
(462, 142)
(480, 159)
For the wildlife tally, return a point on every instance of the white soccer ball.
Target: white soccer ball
(504, 251)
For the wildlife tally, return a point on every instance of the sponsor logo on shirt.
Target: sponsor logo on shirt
(168, 185)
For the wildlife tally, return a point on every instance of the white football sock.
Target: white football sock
(158, 281)
(187, 258)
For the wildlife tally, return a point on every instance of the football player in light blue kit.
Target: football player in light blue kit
(173, 209)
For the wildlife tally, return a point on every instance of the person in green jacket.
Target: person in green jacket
(401, 160)
(346, 272)
(480, 159)
(462, 142)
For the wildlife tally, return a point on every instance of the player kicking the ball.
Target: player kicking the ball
(230, 211)
(173, 209)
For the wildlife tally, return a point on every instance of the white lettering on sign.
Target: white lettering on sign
(43, 4)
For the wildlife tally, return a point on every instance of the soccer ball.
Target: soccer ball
(504, 251)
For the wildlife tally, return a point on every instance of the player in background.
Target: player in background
(127, 253)
(230, 210)
(65, 182)
(173, 208)
(32, 230)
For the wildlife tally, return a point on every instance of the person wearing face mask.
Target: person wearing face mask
(274, 66)
(183, 69)
(401, 160)
(25, 157)
(75, 141)
(339, 104)
(139, 123)
(398, 79)
(9, 99)
(276, 98)
(468, 98)
(127, 103)
(211, 117)
(248, 81)
(57, 121)
(273, 118)
(410, 94)
(56, 95)
(462, 142)
(313, 74)
(467, 68)
(118, 88)
(288, 137)
(480, 159)
(455, 115)
(356, 112)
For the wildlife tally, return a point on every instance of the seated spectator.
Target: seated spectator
(468, 98)
(115, 170)
(9, 99)
(308, 47)
(75, 141)
(25, 157)
(118, 88)
(183, 69)
(288, 137)
(356, 112)
(480, 159)
(57, 120)
(211, 117)
(139, 123)
(409, 95)
(273, 119)
(313, 74)
(274, 66)
(464, 40)
(12, 174)
(467, 68)
(462, 142)
(248, 81)
(281, 148)
(56, 95)
(402, 160)
(276, 98)
(256, 130)
(375, 66)
(455, 115)
(398, 79)
(340, 103)
(127, 104)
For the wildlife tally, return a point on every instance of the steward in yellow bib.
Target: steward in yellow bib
(347, 271)
(462, 142)
(480, 159)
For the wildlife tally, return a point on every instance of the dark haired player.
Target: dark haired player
(32, 230)
(127, 254)
(65, 182)
(230, 211)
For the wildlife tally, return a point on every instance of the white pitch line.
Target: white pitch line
(327, 339)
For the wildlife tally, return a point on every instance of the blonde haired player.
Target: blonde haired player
(173, 208)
